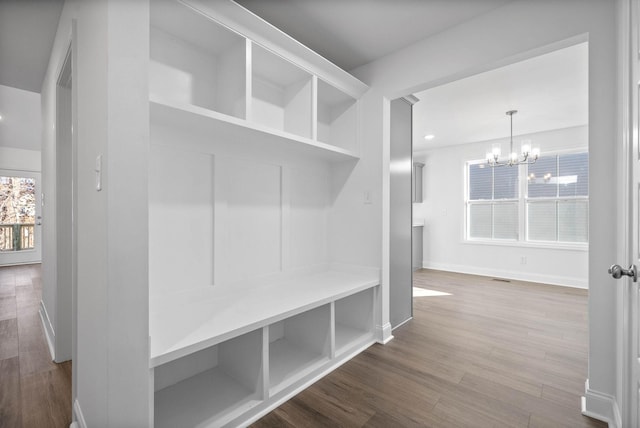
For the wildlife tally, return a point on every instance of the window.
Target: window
(558, 199)
(17, 213)
(493, 202)
(544, 202)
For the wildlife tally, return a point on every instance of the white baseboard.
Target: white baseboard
(601, 406)
(565, 281)
(49, 332)
(78, 416)
(383, 333)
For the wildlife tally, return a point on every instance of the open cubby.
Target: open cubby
(353, 321)
(280, 93)
(196, 61)
(337, 117)
(210, 387)
(298, 346)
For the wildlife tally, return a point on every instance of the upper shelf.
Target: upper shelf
(187, 322)
(204, 68)
(251, 26)
(228, 130)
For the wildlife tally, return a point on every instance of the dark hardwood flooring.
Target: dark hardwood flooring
(34, 391)
(488, 354)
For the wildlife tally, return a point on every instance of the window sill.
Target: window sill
(527, 244)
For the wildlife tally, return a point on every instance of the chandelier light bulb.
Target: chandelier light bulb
(535, 152)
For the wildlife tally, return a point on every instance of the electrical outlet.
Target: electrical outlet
(367, 197)
(523, 260)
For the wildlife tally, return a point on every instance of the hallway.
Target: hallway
(34, 391)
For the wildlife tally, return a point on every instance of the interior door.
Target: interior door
(631, 403)
(20, 217)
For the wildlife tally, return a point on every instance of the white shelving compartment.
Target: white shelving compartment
(196, 61)
(353, 321)
(210, 387)
(337, 117)
(298, 346)
(281, 93)
(248, 305)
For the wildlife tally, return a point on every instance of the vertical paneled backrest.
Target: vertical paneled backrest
(248, 218)
(309, 192)
(219, 219)
(180, 217)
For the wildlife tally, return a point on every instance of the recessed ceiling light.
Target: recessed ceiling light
(429, 137)
(0, 117)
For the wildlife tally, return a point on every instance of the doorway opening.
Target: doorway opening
(522, 222)
(65, 213)
(488, 258)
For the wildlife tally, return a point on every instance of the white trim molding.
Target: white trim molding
(565, 281)
(603, 407)
(49, 332)
(78, 416)
(383, 333)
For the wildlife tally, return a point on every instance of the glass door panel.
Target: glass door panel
(19, 217)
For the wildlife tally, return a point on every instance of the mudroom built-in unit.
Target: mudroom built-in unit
(253, 137)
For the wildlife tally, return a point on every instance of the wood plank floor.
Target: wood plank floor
(34, 391)
(486, 354)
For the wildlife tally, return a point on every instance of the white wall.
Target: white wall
(21, 123)
(20, 159)
(523, 29)
(111, 357)
(443, 211)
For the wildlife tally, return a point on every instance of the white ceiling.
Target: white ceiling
(27, 30)
(351, 33)
(549, 91)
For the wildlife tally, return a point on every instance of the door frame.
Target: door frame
(629, 33)
(65, 154)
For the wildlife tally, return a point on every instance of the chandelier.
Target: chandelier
(529, 155)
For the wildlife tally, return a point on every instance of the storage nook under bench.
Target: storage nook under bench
(253, 140)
